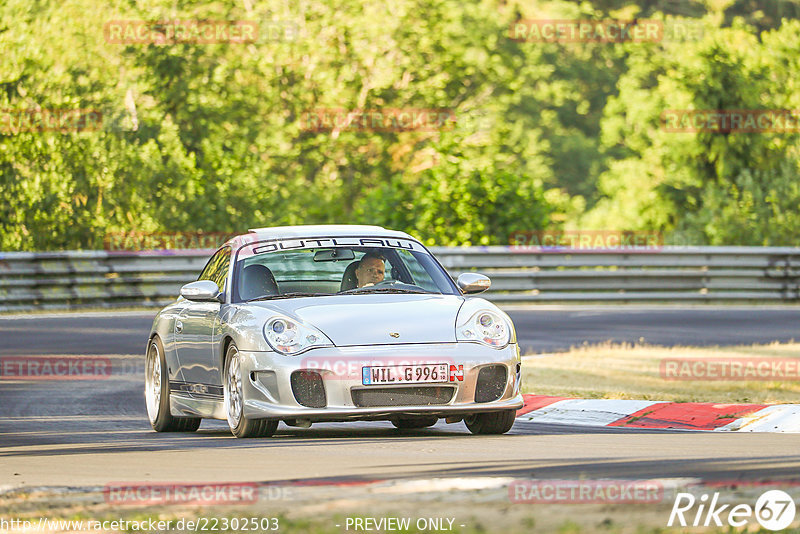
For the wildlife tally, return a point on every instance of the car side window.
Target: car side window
(216, 269)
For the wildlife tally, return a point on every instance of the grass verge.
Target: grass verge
(624, 371)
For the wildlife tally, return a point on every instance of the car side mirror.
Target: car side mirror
(202, 291)
(471, 283)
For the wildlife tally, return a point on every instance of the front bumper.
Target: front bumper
(268, 394)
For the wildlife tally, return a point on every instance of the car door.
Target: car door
(196, 330)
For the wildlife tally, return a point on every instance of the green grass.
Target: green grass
(622, 371)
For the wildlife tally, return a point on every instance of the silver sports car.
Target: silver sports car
(304, 324)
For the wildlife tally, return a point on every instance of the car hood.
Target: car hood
(370, 319)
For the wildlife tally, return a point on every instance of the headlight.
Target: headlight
(291, 337)
(485, 327)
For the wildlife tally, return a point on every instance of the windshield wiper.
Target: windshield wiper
(290, 295)
(381, 290)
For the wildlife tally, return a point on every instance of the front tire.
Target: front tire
(241, 426)
(156, 393)
(491, 422)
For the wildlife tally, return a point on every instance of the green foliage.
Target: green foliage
(722, 188)
(210, 137)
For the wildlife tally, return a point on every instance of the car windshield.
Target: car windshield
(272, 271)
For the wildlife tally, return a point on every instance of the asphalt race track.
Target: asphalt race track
(545, 330)
(558, 329)
(92, 432)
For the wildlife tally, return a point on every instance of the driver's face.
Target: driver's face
(370, 271)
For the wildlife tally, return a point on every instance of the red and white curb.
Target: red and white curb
(665, 415)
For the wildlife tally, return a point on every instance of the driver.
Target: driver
(371, 269)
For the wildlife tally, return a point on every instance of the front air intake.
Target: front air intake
(491, 383)
(402, 396)
(308, 389)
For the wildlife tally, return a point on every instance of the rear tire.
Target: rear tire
(409, 423)
(241, 426)
(156, 393)
(491, 422)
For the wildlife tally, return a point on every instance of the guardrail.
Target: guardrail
(703, 274)
(520, 275)
(80, 279)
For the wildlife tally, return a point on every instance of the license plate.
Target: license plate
(405, 374)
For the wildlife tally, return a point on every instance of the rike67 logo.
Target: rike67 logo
(774, 510)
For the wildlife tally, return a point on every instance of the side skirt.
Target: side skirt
(196, 400)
